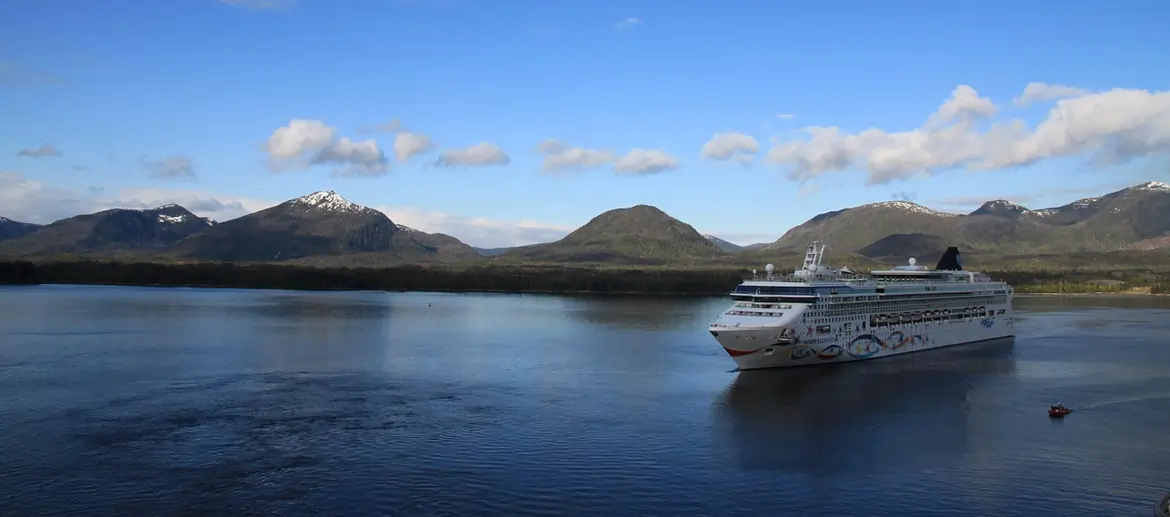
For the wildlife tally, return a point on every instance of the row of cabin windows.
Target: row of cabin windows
(797, 293)
(956, 312)
(852, 311)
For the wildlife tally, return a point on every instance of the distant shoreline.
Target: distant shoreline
(498, 279)
(364, 289)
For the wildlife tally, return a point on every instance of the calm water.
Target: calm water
(127, 401)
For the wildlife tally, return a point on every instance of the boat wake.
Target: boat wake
(1127, 400)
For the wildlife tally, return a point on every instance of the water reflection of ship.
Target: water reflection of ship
(891, 412)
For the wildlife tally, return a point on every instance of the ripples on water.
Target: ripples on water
(216, 402)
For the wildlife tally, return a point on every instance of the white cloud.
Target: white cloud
(731, 146)
(298, 138)
(560, 157)
(24, 199)
(645, 161)
(176, 167)
(628, 23)
(44, 151)
(477, 231)
(363, 158)
(785, 116)
(407, 144)
(1036, 92)
(1115, 125)
(311, 142)
(478, 155)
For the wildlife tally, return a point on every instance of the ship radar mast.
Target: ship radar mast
(813, 256)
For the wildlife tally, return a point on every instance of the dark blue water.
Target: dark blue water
(126, 401)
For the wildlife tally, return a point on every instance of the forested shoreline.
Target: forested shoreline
(517, 279)
(402, 278)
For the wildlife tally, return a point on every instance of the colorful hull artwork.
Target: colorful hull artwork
(861, 347)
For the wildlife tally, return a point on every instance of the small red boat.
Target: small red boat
(1058, 411)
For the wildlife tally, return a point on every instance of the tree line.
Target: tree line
(401, 278)
(492, 278)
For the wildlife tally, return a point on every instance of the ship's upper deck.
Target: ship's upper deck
(814, 280)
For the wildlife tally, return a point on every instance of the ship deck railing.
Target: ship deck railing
(864, 281)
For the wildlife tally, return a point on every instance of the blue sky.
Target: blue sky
(150, 101)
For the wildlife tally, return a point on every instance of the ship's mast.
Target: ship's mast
(810, 256)
(813, 256)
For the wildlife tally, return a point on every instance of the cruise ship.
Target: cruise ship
(819, 314)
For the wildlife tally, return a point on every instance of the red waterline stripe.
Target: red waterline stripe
(737, 353)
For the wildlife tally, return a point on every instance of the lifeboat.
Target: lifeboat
(1058, 411)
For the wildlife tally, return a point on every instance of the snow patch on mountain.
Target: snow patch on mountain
(172, 219)
(909, 207)
(329, 201)
(1156, 186)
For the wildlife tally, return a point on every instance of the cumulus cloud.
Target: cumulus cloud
(561, 157)
(362, 158)
(311, 142)
(645, 161)
(1038, 92)
(177, 167)
(478, 155)
(1116, 125)
(731, 146)
(44, 151)
(628, 23)
(407, 144)
(477, 231)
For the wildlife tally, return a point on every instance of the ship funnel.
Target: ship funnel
(950, 260)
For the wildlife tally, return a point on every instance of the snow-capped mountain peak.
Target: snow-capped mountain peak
(329, 201)
(909, 207)
(1001, 207)
(1156, 186)
(1003, 203)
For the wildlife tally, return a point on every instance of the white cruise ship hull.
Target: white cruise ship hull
(756, 347)
(821, 315)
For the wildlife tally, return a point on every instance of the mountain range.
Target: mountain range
(324, 229)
